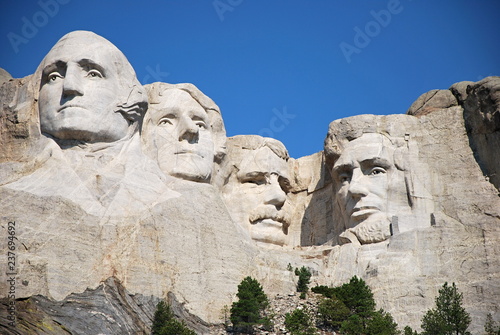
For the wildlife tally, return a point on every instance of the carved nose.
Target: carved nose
(275, 194)
(357, 185)
(188, 130)
(72, 85)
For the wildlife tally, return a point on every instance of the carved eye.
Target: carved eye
(164, 121)
(344, 177)
(376, 171)
(201, 124)
(54, 76)
(258, 180)
(94, 74)
(284, 184)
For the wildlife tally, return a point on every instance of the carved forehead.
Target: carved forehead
(79, 45)
(178, 102)
(262, 160)
(176, 98)
(367, 147)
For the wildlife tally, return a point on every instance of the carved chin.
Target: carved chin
(372, 231)
(197, 169)
(268, 231)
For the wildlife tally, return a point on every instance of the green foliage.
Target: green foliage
(350, 309)
(299, 322)
(353, 326)
(289, 267)
(324, 290)
(357, 296)
(248, 310)
(490, 326)
(409, 331)
(164, 322)
(381, 323)
(449, 317)
(304, 279)
(162, 315)
(332, 312)
(174, 327)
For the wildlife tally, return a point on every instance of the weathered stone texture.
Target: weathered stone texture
(104, 231)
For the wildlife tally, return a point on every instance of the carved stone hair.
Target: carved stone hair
(343, 131)
(255, 142)
(236, 146)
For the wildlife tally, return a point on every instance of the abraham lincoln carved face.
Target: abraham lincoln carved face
(366, 182)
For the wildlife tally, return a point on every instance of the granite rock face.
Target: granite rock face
(455, 237)
(4, 76)
(108, 220)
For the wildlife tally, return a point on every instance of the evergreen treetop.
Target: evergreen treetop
(248, 310)
(449, 317)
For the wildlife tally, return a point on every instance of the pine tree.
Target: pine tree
(303, 282)
(382, 323)
(299, 322)
(449, 317)
(248, 310)
(350, 309)
(409, 331)
(490, 326)
(357, 296)
(353, 326)
(164, 322)
(332, 312)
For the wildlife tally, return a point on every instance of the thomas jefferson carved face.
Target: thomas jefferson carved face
(367, 180)
(183, 143)
(256, 192)
(81, 86)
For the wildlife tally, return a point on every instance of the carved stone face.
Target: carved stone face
(256, 194)
(80, 90)
(182, 136)
(367, 181)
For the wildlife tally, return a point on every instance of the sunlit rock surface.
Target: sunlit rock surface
(107, 224)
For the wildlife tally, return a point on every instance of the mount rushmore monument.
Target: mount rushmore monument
(116, 195)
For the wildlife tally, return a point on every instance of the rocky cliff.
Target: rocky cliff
(102, 229)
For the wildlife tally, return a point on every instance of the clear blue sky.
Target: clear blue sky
(276, 67)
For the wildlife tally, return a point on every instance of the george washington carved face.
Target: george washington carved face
(85, 82)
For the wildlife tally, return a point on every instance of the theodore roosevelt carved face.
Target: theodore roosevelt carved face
(88, 91)
(369, 187)
(256, 189)
(180, 131)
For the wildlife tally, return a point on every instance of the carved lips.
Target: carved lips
(362, 212)
(188, 152)
(70, 106)
(269, 216)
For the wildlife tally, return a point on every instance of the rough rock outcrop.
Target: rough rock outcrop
(4, 76)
